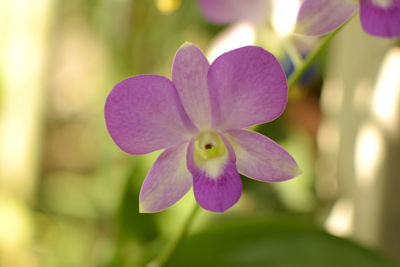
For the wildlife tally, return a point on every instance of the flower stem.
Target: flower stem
(171, 247)
(295, 77)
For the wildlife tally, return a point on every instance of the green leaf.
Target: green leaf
(272, 243)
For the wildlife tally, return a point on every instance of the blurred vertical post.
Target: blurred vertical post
(359, 155)
(24, 33)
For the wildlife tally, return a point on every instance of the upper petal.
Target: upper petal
(216, 181)
(318, 17)
(381, 18)
(189, 74)
(227, 11)
(247, 87)
(144, 114)
(260, 158)
(167, 182)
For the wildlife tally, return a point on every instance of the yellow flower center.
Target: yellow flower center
(210, 153)
(209, 145)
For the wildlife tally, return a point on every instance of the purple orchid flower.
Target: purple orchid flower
(378, 17)
(198, 119)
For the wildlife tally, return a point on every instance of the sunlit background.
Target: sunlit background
(69, 195)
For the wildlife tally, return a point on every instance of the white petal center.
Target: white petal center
(383, 3)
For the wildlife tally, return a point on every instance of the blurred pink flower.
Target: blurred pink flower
(378, 17)
(315, 17)
(228, 11)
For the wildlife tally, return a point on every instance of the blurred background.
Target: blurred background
(69, 195)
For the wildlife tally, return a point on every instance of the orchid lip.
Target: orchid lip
(210, 152)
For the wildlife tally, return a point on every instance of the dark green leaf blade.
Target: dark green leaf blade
(273, 243)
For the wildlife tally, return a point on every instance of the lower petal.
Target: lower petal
(260, 158)
(381, 17)
(318, 17)
(167, 182)
(216, 181)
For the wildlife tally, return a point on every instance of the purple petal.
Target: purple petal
(215, 191)
(260, 158)
(318, 17)
(247, 87)
(189, 74)
(381, 18)
(144, 114)
(227, 11)
(167, 182)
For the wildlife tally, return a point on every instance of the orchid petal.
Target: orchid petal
(260, 158)
(227, 11)
(167, 182)
(144, 114)
(216, 182)
(318, 17)
(381, 18)
(247, 87)
(189, 74)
